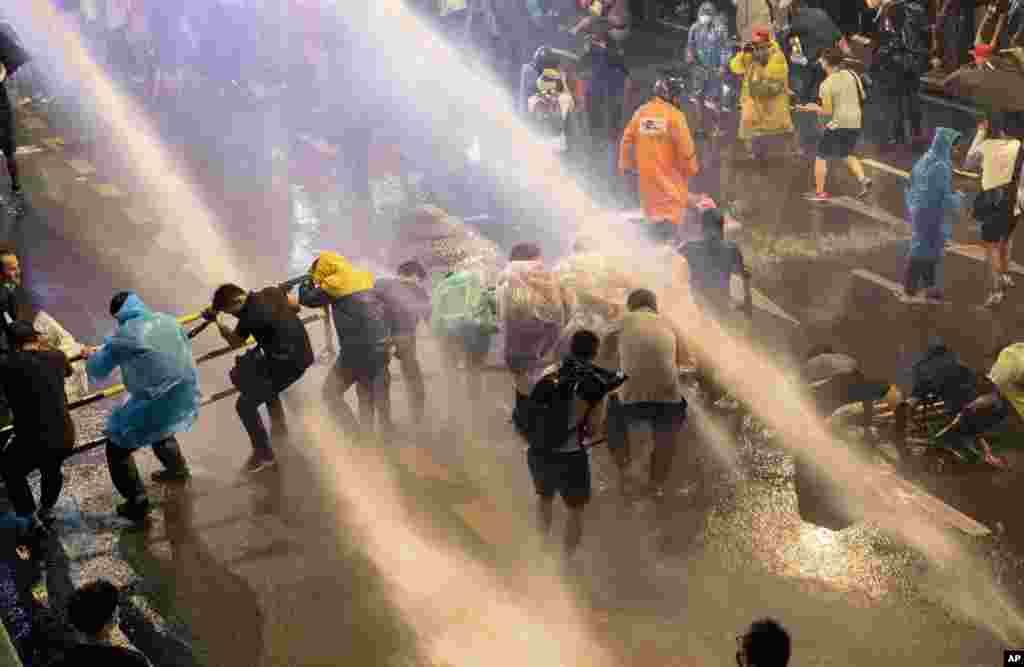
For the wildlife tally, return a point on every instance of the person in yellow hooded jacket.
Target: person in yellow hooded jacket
(657, 146)
(765, 94)
(362, 322)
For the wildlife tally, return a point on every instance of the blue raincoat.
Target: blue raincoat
(930, 197)
(158, 370)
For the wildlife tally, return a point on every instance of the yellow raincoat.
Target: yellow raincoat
(658, 145)
(763, 116)
(336, 276)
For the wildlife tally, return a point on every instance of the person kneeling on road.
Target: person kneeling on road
(155, 357)
(559, 419)
(364, 342)
(282, 355)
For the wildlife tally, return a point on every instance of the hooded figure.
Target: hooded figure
(157, 368)
(362, 324)
(155, 357)
(930, 197)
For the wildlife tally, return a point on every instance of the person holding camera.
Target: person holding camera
(564, 410)
(765, 93)
(155, 358)
(282, 355)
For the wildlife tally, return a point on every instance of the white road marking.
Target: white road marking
(881, 166)
(83, 167)
(978, 252)
(761, 302)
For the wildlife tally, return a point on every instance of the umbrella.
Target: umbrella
(992, 89)
(12, 55)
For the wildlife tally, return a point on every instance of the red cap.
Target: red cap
(983, 50)
(762, 34)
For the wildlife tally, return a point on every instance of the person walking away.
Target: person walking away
(764, 97)
(708, 54)
(999, 158)
(361, 320)
(657, 146)
(464, 320)
(899, 62)
(92, 611)
(842, 100)
(929, 198)
(651, 352)
(566, 409)
(764, 644)
(8, 143)
(282, 356)
(32, 377)
(408, 304)
(160, 375)
(534, 309)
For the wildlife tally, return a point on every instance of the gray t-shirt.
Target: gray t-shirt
(842, 88)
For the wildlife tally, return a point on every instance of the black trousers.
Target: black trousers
(21, 458)
(124, 473)
(666, 421)
(256, 394)
(903, 108)
(372, 381)
(8, 145)
(920, 274)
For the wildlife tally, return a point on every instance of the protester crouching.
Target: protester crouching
(362, 323)
(282, 355)
(160, 375)
(32, 376)
(930, 198)
(997, 206)
(408, 303)
(534, 309)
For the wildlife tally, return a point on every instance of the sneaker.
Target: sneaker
(258, 462)
(1007, 281)
(865, 188)
(818, 197)
(168, 476)
(134, 511)
(994, 299)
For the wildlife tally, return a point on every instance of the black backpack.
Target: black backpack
(939, 373)
(544, 419)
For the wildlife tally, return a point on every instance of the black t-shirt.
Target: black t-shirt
(270, 319)
(33, 382)
(102, 655)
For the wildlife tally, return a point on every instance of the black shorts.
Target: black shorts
(837, 144)
(1000, 224)
(566, 474)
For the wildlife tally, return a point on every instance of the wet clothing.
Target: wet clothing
(651, 351)
(535, 309)
(763, 116)
(711, 265)
(657, 144)
(567, 475)
(157, 368)
(930, 195)
(408, 304)
(665, 420)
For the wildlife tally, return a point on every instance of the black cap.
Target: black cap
(22, 332)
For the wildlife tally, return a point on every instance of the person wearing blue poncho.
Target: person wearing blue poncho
(929, 198)
(158, 371)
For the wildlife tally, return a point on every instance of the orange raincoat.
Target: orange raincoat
(658, 145)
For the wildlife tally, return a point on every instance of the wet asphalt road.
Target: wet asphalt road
(256, 572)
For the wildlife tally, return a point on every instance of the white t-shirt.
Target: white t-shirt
(842, 89)
(998, 158)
